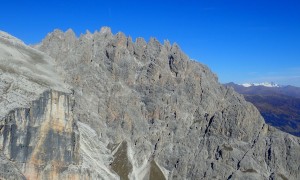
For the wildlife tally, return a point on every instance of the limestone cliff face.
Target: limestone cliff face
(41, 139)
(138, 110)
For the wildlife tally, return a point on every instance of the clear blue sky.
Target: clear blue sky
(240, 40)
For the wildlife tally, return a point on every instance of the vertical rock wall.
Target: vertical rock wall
(41, 140)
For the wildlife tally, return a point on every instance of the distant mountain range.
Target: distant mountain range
(279, 105)
(266, 84)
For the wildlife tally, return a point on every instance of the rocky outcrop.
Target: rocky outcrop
(143, 110)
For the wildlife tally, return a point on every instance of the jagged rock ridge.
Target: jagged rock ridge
(145, 111)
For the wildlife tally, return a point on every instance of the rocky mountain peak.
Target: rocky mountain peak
(105, 30)
(146, 111)
(105, 33)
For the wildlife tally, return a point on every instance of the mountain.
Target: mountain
(291, 91)
(280, 106)
(265, 84)
(110, 108)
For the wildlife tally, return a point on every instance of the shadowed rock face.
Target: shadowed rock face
(121, 164)
(169, 116)
(155, 172)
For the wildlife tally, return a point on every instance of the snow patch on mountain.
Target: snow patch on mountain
(265, 84)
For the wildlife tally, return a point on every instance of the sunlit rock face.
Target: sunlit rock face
(137, 110)
(149, 101)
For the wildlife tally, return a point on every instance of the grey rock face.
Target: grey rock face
(169, 110)
(8, 170)
(143, 110)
